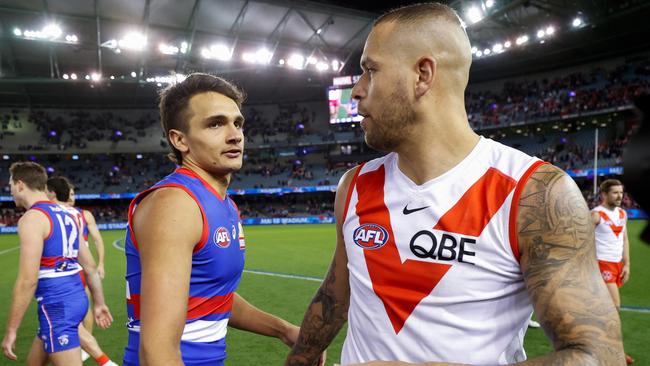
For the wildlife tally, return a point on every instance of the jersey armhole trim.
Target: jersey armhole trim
(49, 235)
(141, 195)
(348, 197)
(514, 208)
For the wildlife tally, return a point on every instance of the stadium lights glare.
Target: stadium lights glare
(479, 53)
(497, 48)
(112, 77)
(95, 76)
(474, 49)
(219, 52)
(474, 15)
(489, 3)
(550, 30)
(262, 56)
(18, 32)
(71, 38)
(73, 76)
(487, 51)
(335, 65)
(133, 41)
(168, 49)
(87, 77)
(184, 47)
(507, 44)
(281, 61)
(541, 33)
(133, 74)
(66, 76)
(521, 40)
(577, 22)
(312, 60)
(52, 31)
(322, 66)
(296, 61)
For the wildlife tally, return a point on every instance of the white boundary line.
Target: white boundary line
(9, 250)
(316, 279)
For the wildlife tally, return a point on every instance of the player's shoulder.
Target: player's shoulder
(169, 201)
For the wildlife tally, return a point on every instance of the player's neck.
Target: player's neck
(435, 150)
(32, 197)
(218, 182)
(609, 207)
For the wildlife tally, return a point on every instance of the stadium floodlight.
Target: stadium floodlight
(51, 31)
(112, 77)
(133, 74)
(474, 49)
(577, 22)
(507, 44)
(521, 40)
(489, 3)
(73, 76)
(312, 60)
(87, 77)
(497, 48)
(296, 61)
(474, 15)
(487, 51)
(263, 56)
(322, 66)
(336, 65)
(66, 76)
(219, 52)
(281, 61)
(133, 41)
(184, 47)
(318, 31)
(168, 49)
(479, 53)
(71, 38)
(550, 30)
(541, 33)
(18, 32)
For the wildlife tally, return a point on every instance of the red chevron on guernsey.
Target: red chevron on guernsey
(393, 281)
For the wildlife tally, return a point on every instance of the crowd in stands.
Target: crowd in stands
(529, 101)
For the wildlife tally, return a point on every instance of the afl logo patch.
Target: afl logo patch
(221, 237)
(370, 236)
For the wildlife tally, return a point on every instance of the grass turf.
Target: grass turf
(301, 250)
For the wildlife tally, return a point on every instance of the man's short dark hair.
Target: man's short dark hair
(606, 185)
(30, 173)
(175, 99)
(61, 187)
(415, 13)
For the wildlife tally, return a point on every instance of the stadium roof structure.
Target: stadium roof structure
(278, 50)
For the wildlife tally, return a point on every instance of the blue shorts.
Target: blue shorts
(59, 323)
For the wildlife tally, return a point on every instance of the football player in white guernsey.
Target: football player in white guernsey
(451, 293)
(612, 244)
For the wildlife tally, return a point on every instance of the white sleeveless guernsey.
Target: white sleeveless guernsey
(610, 232)
(434, 268)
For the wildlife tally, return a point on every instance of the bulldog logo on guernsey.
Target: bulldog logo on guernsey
(370, 236)
(221, 237)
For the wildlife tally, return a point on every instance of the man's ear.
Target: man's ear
(177, 139)
(426, 70)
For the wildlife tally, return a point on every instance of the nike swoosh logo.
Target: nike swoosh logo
(406, 210)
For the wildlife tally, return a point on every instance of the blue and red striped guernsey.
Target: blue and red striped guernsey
(217, 265)
(59, 263)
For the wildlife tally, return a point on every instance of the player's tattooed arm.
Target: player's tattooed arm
(328, 310)
(556, 241)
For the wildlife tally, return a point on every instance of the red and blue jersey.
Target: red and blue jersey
(59, 264)
(217, 265)
(79, 214)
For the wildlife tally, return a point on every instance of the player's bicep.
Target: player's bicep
(33, 227)
(556, 239)
(92, 226)
(167, 225)
(86, 258)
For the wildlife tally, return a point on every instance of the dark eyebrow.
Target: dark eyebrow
(368, 63)
(220, 118)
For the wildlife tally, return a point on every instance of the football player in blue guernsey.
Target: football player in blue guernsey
(184, 244)
(49, 265)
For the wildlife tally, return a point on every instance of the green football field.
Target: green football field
(303, 250)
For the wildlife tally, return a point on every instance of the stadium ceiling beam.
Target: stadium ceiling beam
(304, 19)
(191, 24)
(315, 7)
(99, 38)
(323, 27)
(235, 28)
(54, 62)
(349, 42)
(497, 14)
(7, 51)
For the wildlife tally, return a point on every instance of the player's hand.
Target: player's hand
(625, 273)
(103, 316)
(290, 337)
(9, 345)
(100, 270)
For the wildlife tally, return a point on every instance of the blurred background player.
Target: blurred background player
(59, 191)
(612, 244)
(89, 229)
(50, 256)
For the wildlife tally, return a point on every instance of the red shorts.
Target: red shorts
(611, 272)
(83, 278)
